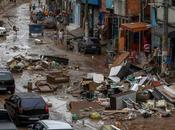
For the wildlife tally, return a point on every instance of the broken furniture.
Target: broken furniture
(43, 86)
(58, 59)
(117, 101)
(57, 77)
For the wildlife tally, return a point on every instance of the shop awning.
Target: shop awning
(135, 27)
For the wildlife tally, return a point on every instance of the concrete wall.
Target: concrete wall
(127, 7)
(77, 14)
(160, 12)
(119, 7)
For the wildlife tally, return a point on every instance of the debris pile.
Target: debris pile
(43, 62)
(127, 93)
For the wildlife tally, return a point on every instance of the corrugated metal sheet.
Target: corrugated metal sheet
(120, 7)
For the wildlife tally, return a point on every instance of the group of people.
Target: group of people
(59, 37)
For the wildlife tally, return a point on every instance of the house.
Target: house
(106, 18)
(157, 31)
(131, 15)
(74, 12)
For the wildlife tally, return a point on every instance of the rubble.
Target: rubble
(127, 93)
(19, 63)
(57, 77)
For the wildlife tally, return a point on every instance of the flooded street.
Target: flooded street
(22, 44)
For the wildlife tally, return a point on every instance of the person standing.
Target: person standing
(61, 36)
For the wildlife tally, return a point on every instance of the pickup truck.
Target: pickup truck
(5, 121)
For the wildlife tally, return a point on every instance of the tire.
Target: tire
(98, 51)
(16, 121)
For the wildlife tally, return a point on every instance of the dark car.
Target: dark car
(26, 108)
(90, 45)
(5, 121)
(49, 23)
(7, 82)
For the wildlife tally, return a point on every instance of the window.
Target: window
(36, 103)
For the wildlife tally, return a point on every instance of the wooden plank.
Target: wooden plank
(119, 60)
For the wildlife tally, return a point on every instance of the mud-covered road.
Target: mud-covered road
(25, 45)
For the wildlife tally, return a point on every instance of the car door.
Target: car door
(11, 105)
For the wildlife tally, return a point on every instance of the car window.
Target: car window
(36, 103)
(5, 76)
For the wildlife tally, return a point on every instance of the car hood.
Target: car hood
(7, 126)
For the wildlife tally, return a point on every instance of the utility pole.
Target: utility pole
(165, 37)
(86, 20)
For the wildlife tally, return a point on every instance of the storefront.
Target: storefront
(93, 9)
(129, 36)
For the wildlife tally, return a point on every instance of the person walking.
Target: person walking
(61, 36)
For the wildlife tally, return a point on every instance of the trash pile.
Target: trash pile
(53, 81)
(127, 93)
(19, 63)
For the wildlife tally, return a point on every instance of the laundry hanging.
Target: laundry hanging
(153, 17)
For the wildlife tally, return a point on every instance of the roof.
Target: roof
(55, 125)
(27, 95)
(135, 27)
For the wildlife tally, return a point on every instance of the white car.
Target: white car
(2, 31)
(50, 125)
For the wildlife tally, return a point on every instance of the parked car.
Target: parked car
(3, 31)
(50, 125)
(90, 45)
(5, 121)
(26, 108)
(7, 82)
(49, 23)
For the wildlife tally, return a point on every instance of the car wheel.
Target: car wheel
(16, 120)
(99, 51)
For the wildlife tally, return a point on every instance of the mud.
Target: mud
(19, 16)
